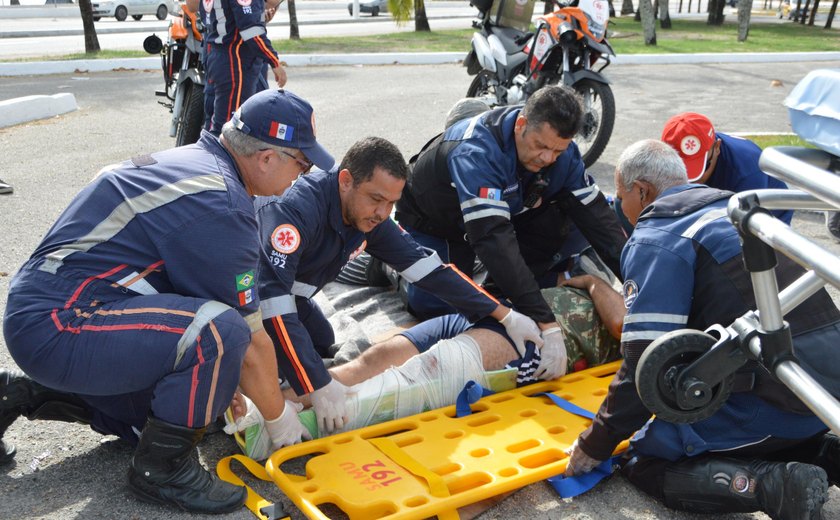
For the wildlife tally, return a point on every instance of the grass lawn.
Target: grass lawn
(625, 35)
(766, 141)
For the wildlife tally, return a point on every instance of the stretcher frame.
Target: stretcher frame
(699, 389)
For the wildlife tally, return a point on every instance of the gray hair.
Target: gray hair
(464, 108)
(652, 161)
(243, 144)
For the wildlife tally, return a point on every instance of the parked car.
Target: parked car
(122, 9)
(57, 2)
(374, 7)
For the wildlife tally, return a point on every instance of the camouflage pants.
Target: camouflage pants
(588, 343)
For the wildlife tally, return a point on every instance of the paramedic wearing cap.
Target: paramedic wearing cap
(325, 220)
(237, 48)
(505, 186)
(139, 308)
(718, 160)
(683, 269)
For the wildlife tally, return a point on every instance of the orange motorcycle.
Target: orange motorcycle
(183, 75)
(568, 47)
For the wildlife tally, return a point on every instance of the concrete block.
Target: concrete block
(30, 108)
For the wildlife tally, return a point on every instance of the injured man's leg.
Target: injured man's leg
(421, 369)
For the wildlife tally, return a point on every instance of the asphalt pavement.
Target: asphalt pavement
(68, 472)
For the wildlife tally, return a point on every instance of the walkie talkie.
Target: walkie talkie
(535, 190)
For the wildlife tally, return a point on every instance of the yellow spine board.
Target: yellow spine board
(432, 463)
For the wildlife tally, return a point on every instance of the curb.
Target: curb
(29, 108)
(20, 110)
(33, 68)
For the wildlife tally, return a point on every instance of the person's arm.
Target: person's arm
(582, 200)
(193, 5)
(609, 304)
(251, 26)
(477, 170)
(259, 376)
(658, 293)
(285, 236)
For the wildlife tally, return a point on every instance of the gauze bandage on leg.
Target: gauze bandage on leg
(429, 380)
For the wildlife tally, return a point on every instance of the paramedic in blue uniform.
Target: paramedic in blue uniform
(237, 50)
(325, 220)
(507, 186)
(139, 308)
(683, 268)
(722, 161)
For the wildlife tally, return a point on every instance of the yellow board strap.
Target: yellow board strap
(437, 486)
(254, 502)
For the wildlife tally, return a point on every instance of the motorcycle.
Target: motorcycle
(567, 46)
(183, 75)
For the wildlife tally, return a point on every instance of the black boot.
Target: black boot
(165, 469)
(785, 491)
(21, 396)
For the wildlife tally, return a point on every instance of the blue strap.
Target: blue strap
(569, 407)
(471, 393)
(568, 487)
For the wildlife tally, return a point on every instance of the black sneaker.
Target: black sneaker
(5, 188)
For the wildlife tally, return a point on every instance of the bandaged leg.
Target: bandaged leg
(429, 380)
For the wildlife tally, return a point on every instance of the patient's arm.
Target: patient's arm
(609, 303)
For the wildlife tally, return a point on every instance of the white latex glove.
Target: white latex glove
(553, 357)
(521, 328)
(330, 405)
(287, 429)
(579, 462)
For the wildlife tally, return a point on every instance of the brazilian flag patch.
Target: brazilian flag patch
(244, 281)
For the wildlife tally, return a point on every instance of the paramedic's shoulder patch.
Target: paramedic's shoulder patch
(630, 290)
(285, 239)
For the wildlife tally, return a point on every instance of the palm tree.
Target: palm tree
(648, 19)
(91, 40)
(294, 31)
(401, 12)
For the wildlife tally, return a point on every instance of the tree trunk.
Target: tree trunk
(664, 16)
(744, 11)
(91, 41)
(656, 9)
(421, 21)
(831, 14)
(813, 12)
(648, 22)
(802, 13)
(627, 7)
(716, 12)
(294, 29)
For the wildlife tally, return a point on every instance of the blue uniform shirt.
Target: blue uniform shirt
(305, 243)
(144, 227)
(737, 170)
(228, 21)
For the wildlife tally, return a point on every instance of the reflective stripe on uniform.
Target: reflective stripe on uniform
(422, 268)
(700, 223)
(304, 290)
(204, 315)
(278, 306)
(475, 215)
(124, 213)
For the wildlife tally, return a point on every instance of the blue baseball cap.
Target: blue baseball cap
(281, 118)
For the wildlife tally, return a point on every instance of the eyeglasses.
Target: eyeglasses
(304, 164)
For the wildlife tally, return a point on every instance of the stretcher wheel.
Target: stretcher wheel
(659, 368)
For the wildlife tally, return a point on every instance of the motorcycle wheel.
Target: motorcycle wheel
(189, 129)
(598, 119)
(481, 88)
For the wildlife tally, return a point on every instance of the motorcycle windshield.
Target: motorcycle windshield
(597, 15)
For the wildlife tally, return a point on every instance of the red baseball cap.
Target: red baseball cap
(692, 136)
